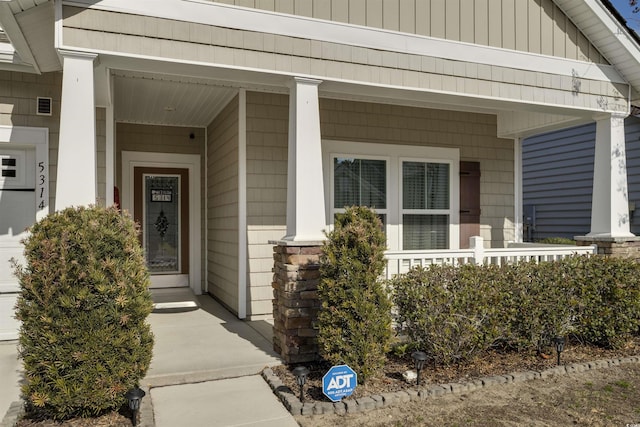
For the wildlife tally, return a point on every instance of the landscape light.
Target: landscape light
(301, 373)
(419, 358)
(134, 396)
(559, 342)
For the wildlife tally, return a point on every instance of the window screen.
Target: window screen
(360, 182)
(425, 193)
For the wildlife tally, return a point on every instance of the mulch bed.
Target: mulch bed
(120, 418)
(492, 363)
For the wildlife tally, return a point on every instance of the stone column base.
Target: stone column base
(626, 247)
(295, 300)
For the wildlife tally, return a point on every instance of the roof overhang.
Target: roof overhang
(609, 35)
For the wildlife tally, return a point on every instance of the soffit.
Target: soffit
(18, 6)
(609, 35)
(164, 99)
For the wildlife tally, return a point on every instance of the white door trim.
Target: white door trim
(133, 159)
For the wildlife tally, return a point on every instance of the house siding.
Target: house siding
(536, 26)
(557, 170)
(162, 139)
(474, 134)
(267, 136)
(176, 40)
(222, 206)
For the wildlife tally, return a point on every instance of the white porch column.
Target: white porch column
(305, 190)
(76, 180)
(610, 202)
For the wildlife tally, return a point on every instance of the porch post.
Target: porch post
(610, 203)
(76, 178)
(305, 188)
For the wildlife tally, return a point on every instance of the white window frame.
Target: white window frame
(403, 211)
(395, 155)
(332, 210)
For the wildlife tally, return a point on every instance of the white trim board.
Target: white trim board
(132, 159)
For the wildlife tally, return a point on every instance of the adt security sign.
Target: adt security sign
(340, 381)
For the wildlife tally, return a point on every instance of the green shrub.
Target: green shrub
(448, 312)
(453, 313)
(541, 304)
(608, 294)
(355, 317)
(557, 241)
(83, 304)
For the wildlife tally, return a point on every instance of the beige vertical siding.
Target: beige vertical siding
(101, 155)
(222, 206)
(18, 93)
(537, 26)
(162, 139)
(267, 121)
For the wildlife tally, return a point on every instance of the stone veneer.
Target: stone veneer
(295, 303)
(627, 247)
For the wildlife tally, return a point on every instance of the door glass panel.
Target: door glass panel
(162, 223)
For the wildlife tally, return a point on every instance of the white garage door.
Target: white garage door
(17, 212)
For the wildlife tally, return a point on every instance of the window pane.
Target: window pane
(360, 182)
(425, 232)
(425, 185)
(162, 223)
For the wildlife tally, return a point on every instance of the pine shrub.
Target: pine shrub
(355, 316)
(83, 304)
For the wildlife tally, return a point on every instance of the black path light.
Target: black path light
(559, 342)
(419, 358)
(134, 396)
(301, 373)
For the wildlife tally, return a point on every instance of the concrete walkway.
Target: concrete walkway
(204, 370)
(10, 375)
(205, 366)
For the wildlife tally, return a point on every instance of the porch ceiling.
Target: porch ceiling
(162, 99)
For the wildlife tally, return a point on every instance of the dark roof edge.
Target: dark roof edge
(621, 19)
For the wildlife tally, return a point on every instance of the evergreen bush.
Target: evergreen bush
(83, 304)
(607, 303)
(448, 312)
(355, 317)
(453, 313)
(541, 305)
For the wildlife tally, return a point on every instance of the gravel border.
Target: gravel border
(293, 404)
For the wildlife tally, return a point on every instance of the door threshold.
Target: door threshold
(173, 299)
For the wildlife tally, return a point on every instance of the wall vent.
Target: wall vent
(44, 106)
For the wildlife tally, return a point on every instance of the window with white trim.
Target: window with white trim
(360, 182)
(425, 205)
(415, 190)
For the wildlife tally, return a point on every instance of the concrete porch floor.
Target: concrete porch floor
(199, 339)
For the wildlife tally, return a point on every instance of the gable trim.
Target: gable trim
(215, 14)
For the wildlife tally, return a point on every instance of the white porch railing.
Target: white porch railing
(401, 261)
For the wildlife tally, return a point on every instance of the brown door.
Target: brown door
(469, 202)
(161, 207)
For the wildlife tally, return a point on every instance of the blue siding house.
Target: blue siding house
(557, 181)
